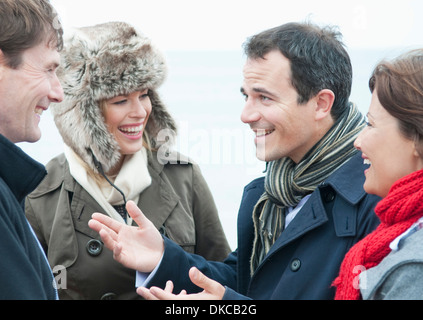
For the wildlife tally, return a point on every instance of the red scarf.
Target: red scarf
(397, 212)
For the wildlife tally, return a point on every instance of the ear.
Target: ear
(418, 149)
(324, 102)
(418, 154)
(2, 64)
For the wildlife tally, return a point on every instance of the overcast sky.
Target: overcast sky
(225, 24)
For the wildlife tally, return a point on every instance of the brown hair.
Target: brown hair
(25, 24)
(399, 86)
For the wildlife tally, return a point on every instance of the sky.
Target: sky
(225, 24)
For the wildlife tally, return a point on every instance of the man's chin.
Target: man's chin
(35, 137)
(261, 155)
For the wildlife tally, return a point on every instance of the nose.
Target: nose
(249, 113)
(141, 107)
(357, 142)
(56, 92)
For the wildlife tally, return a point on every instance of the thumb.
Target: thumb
(209, 285)
(136, 214)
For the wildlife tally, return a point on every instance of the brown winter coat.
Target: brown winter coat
(178, 202)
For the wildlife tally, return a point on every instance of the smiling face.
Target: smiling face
(283, 127)
(391, 156)
(126, 118)
(27, 91)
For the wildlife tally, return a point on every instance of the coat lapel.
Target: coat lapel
(159, 200)
(311, 216)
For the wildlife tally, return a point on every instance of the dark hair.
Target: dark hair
(25, 24)
(399, 87)
(317, 56)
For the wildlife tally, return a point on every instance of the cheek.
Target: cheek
(148, 109)
(112, 119)
(384, 171)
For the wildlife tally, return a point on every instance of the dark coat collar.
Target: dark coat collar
(348, 181)
(20, 172)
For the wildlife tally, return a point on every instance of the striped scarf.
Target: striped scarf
(286, 182)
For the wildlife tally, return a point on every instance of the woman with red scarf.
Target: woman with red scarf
(388, 263)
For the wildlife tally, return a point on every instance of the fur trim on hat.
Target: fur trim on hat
(99, 63)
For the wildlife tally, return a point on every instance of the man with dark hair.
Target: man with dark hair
(30, 41)
(296, 224)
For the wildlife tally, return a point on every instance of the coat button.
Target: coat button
(94, 247)
(329, 196)
(295, 265)
(108, 296)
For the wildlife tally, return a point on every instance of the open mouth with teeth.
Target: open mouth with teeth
(262, 132)
(131, 131)
(367, 161)
(39, 111)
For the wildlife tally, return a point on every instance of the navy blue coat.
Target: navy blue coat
(304, 260)
(24, 271)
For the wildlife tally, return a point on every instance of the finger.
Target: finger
(116, 251)
(107, 239)
(146, 294)
(95, 225)
(209, 285)
(136, 214)
(162, 294)
(98, 226)
(106, 221)
(169, 286)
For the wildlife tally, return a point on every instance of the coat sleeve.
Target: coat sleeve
(211, 241)
(19, 277)
(405, 282)
(231, 294)
(32, 219)
(176, 263)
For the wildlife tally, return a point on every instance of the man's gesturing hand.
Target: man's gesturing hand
(139, 248)
(212, 290)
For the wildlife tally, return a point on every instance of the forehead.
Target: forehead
(378, 113)
(376, 110)
(274, 68)
(41, 55)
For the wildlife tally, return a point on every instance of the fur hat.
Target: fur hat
(102, 62)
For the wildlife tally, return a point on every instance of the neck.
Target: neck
(115, 170)
(321, 130)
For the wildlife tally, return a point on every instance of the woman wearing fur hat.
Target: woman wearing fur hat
(110, 121)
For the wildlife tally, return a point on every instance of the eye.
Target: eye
(368, 122)
(144, 94)
(120, 102)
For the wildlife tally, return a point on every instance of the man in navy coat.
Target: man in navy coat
(296, 224)
(30, 41)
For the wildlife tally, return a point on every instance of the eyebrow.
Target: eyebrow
(260, 90)
(53, 65)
